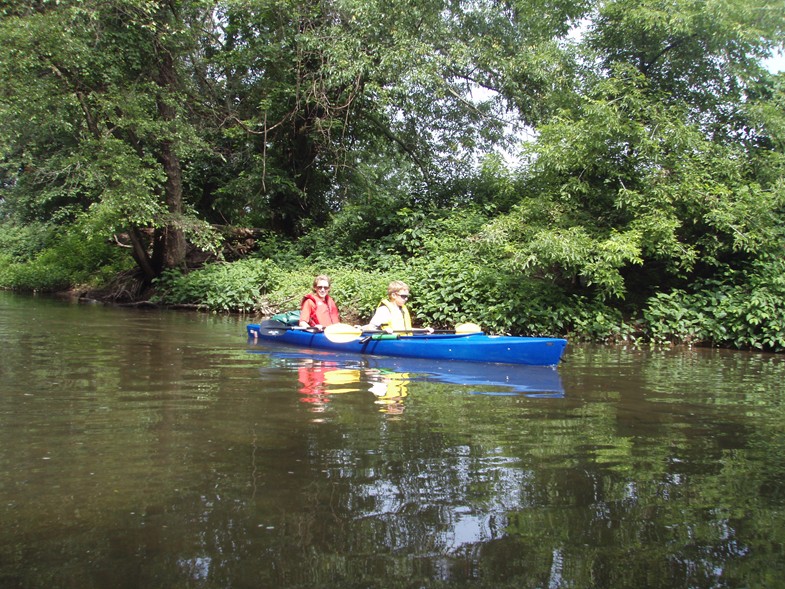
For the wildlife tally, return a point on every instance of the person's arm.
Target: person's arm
(305, 313)
(379, 318)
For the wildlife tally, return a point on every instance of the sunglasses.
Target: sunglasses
(404, 297)
(320, 287)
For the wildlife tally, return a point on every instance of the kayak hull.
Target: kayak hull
(474, 347)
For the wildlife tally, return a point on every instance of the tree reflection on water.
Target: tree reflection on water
(156, 450)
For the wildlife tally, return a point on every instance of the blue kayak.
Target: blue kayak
(470, 347)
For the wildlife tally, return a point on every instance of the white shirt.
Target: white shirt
(382, 317)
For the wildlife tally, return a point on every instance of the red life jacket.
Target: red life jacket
(322, 313)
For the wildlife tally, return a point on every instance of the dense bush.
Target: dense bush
(743, 310)
(457, 288)
(23, 243)
(454, 278)
(69, 259)
(219, 287)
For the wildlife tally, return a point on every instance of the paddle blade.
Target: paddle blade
(271, 327)
(341, 333)
(468, 328)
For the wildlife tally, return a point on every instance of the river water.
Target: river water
(152, 449)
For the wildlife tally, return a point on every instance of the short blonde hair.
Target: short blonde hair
(396, 286)
(321, 277)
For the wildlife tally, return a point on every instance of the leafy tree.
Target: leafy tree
(650, 176)
(363, 132)
(94, 118)
(115, 104)
(699, 53)
(319, 94)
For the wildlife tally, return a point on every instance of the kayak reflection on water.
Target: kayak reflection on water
(322, 374)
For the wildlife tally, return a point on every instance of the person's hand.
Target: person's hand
(429, 330)
(318, 327)
(388, 329)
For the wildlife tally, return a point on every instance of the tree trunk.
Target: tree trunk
(139, 252)
(169, 246)
(171, 238)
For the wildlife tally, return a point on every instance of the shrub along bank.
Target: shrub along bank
(453, 280)
(742, 310)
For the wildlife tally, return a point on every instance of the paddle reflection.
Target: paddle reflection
(324, 374)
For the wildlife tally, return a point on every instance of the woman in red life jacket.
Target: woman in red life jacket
(318, 310)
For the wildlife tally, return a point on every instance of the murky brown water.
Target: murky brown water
(158, 449)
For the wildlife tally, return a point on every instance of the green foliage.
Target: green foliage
(291, 283)
(281, 251)
(44, 274)
(451, 288)
(685, 47)
(495, 185)
(6, 265)
(742, 310)
(359, 291)
(93, 120)
(566, 255)
(71, 258)
(219, 287)
(593, 321)
(458, 288)
(674, 317)
(625, 179)
(358, 128)
(265, 287)
(359, 231)
(22, 242)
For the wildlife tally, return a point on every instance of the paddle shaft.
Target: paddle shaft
(413, 330)
(343, 333)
